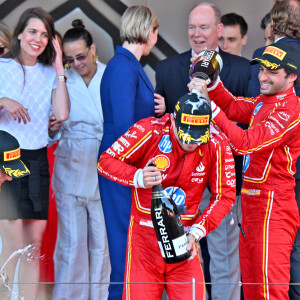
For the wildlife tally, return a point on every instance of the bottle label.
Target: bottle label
(180, 245)
(207, 66)
(161, 249)
(220, 61)
(164, 244)
(158, 195)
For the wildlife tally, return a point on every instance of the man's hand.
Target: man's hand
(200, 86)
(16, 109)
(191, 246)
(151, 175)
(160, 106)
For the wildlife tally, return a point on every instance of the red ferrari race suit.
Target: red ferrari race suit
(184, 173)
(271, 147)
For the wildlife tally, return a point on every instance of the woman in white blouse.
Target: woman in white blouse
(75, 181)
(32, 78)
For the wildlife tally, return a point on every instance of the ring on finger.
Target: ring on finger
(154, 178)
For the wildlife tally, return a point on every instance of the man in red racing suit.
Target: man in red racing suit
(184, 173)
(271, 147)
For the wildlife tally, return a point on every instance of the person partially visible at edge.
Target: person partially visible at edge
(285, 20)
(127, 96)
(188, 156)
(234, 35)
(81, 252)
(271, 147)
(11, 166)
(34, 79)
(5, 38)
(172, 76)
(266, 25)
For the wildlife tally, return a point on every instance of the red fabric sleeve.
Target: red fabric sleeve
(271, 132)
(222, 185)
(238, 109)
(115, 162)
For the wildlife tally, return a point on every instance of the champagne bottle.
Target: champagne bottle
(207, 66)
(168, 226)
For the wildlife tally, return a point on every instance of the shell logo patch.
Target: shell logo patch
(12, 155)
(162, 162)
(278, 53)
(195, 120)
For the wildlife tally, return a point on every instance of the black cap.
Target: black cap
(10, 152)
(279, 55)
(192, 115)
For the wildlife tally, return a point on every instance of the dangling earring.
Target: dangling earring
(95, 58)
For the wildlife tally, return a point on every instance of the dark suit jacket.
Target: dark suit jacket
(172, 77)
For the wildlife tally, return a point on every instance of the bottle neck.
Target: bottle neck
(157, 188)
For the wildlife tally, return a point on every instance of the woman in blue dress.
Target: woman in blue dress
(127, 96)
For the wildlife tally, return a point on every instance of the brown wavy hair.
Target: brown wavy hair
(286, 18)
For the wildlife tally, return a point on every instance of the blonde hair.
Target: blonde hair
(136, 24)
(5, 35)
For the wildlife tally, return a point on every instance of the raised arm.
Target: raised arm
(60, 96)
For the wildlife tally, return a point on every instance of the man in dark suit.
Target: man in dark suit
(287, 32)
(172, 77)
(285, 16)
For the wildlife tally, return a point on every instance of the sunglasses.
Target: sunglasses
(70, 60)
(2, 49)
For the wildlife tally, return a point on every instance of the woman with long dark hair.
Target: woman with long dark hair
(32, 78)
